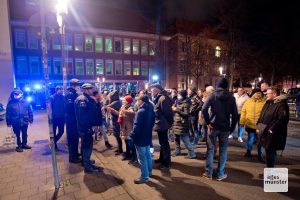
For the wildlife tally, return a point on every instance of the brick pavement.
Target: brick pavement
(28, 175)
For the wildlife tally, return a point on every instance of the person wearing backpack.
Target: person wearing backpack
(163, 122)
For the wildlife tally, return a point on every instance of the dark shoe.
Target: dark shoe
(222, 177)
(26, 147)
(133, 162)
(109, 146)
(190, 157)
(247, 154)
(126, 158)
(90, 170)
(140, 181)
(163, 167)
(97, 167)
(157, 161)
(174, 154)
(19, 149)
(118, 153)
(92, 161)
(205, 175)
(261, 159)
(75, 160)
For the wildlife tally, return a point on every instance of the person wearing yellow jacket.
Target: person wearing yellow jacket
(250, 114)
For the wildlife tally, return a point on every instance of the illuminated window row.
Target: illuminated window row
(89, 43)
(83, 67)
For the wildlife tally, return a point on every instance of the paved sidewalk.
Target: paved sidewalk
(28, 175)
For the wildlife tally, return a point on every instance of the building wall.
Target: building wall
(6, 69)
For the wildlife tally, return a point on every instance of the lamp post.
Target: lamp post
(61, 10)
(154, 78)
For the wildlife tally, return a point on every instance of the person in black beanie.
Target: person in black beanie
(220, 122)
(181, 124)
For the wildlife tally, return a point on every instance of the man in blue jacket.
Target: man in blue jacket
(142, 137)
(220, 122)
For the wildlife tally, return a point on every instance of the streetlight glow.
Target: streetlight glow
(221, 71)
(62, 7)
(103, 80)
(154, 77)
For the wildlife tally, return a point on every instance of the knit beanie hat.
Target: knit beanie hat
(128, 99)
(222, 83)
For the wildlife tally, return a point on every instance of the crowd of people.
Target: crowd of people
(189, 116)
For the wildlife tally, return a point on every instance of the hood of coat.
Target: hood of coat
(114, 96)
(280, 98)
(222, 94)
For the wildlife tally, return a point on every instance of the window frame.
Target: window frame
(57, 59)
(144, 64)
(17, 32)
(30, 39)
(80, 38)
(23, 58)
(112, 48)
(116, 63)
(144, 42)
(130, 49)
(37, 59)
(100, 61)
(117, 39)
(112, 67)
(92, 43)
(93, 62)
(154, 49)
(75, 66)
(98, 37)
(124, 67)
(133, 67)
(136, 41)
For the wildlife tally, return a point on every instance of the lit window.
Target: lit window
(127, 68)
(135, 47)
(56, 42)
(218, 51)
(34, 65)
(144, 48)
(99, 67)
(88, 43)
(32, 41)
(108, 45)
(136, 68)
(152, 48)
(57, 69)
(79, 66)
(78, 40)
(20, 40)
(68, 42)
(118, 67)
(127, 46)
(69, 66)
(108, 67)
(89, 65)
(144, 68)
(99, 44)
(118, 45)
(22, 66)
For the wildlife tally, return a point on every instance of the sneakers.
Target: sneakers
(190, 157)
(230, 136)
(90, 170)
(205, 175)
(140, 181)
(19, 149)
(133, 162)
(75, 160)
(240, 139)
(26, 147)
(174, 154)
(162, 167)
(222, 177)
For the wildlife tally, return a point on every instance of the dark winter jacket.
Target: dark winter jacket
(143, 124)
(57, 106)
(181, 118)
(18, 113)
(98, 114)
(298, 99)
(85, 113)
(163, 112)
(70, 98)
(223, 108)
(196, 105)
(275, 114)
(116, 104)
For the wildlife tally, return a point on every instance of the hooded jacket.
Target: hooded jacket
(116, 104)
(70, 98)
(250, 112)
(18, 112)
(57, 106)
(275, 114)
(181, 118)
(223, 108)
(163, 112)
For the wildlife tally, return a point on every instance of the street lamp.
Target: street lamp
(61, 10)
(155, 78)
(260, 78)
(221, 70)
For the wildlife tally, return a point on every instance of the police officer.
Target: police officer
(85, 108)
(71, 123)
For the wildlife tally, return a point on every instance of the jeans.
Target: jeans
(251, 138)
(298, 111)
(271, 157)
(118, 138)
(130, 149)
(195, 130)
(186, 140)
(87, 148)
(58, 123)
(73, 139)
(17, 130)
(165, 151)
(211, 144)
(145, 161)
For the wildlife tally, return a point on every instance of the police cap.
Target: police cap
(74, 81)
(87, 86)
